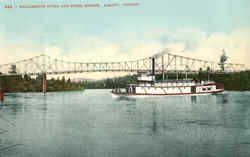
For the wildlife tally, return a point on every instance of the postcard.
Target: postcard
(124, 78)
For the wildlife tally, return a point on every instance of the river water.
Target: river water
(93, 124)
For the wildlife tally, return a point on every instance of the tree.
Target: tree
(63, 82)
(39, 77)
(223, 59)
(208, 72)
(63, 79)
(208, 69)
(200, 74)
(13, 69)
(200, 70)
(68, 83)
(26, 77)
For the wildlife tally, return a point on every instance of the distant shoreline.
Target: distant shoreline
(237, 81)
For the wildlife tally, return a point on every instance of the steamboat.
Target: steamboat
(147, 85)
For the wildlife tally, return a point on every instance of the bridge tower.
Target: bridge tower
(44, 83)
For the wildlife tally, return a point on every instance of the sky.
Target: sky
(200, 28)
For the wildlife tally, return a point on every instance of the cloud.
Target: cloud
(53, 51)
(236, 45)
(195, 43)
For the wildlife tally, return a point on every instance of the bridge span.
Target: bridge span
(164, 62)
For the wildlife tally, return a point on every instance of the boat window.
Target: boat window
(133, 88)
(209, 88)
(203, 89)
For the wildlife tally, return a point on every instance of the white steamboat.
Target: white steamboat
(147, 85)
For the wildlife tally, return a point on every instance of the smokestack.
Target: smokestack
(153, 66)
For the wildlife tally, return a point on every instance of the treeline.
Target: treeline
(28, 84)
(118, 82)
(232, 81)
(239, 81)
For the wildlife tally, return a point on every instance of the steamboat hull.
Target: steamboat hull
(156, 91)
(130, 95)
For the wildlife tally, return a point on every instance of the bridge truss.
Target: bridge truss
(164, 62)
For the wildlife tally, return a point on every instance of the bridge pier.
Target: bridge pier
(44, 83)
(1, 90)
(1, 94)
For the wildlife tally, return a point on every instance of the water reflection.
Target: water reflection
(11, 103)
(125, 99)
(131, 107)
(154, 127)
(44, 104)
(61, 124)
(194, 99)
(152, 120)
(8, 126)
(1, 105)
(44, 111)
(222, 98)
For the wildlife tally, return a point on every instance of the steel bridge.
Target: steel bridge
(164, 62)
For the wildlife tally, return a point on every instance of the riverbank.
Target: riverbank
(28, 84)
(237, 81)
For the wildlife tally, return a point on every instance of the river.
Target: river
(93, 124)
